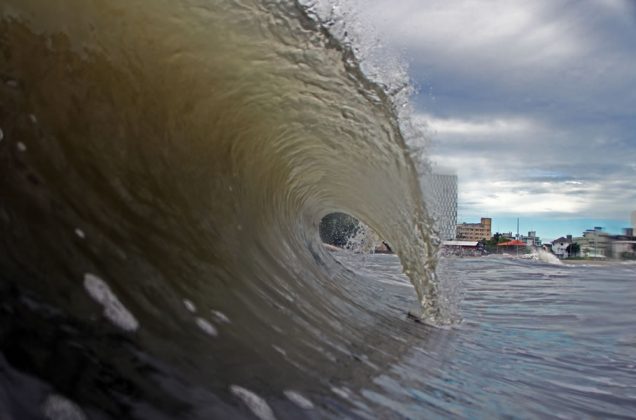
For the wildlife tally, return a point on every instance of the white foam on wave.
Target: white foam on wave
(298, 399)
(546, 257)
(57, 407)
(114, 310)
(256, 404)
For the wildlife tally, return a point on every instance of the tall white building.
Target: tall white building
(634, 220)
(440, 199)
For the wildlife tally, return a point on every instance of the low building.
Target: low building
(532, 239)
(560, 246)
(461, 248)
(461, 244)
(624, 248)
(475, 231)
(507, 236)
(595, 243)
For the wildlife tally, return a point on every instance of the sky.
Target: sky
(532, 104)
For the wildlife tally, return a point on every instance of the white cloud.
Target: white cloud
(467, 31)
(530, 102)
(489, 185)
(478, 127)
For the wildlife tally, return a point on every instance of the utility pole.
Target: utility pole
(518, 236)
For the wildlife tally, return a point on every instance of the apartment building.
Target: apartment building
(475, 231)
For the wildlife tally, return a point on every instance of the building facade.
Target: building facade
(532, 239)
(475, 231)
(440, 199)
(595, 243)
(560, 246)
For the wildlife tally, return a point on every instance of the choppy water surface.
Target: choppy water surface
(536, 340)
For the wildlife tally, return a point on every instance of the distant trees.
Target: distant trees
(573, 249)
(496, 239)
(337, 228)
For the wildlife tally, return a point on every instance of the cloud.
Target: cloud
(531, 103)
(542, 58)
(467, 127)
(490, 186)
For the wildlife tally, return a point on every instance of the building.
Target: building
(560, 246)
(475, 231)
(624, 246)
(532, 239)
(461, 248)
(506, 236)
(634, 220)
(440, 197)
(595, 243)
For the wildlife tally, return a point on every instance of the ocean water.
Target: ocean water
(164, 166)
(530, 340)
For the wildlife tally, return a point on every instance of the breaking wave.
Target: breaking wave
(164, 169)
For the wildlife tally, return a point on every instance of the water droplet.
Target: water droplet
(80, 233)
(33, 118)
(189, 305)
(298, 399)
(278, 349)
(1, 134)
(239, 227)
(206, 327)
(12, 83)
(278, 329)
(342, 392)
(256, 404)
(114, 310)
(220, 316)
(21, 147)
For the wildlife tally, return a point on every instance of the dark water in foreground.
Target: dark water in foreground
(536, 340)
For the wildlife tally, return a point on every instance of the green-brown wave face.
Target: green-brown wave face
(188, 150)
